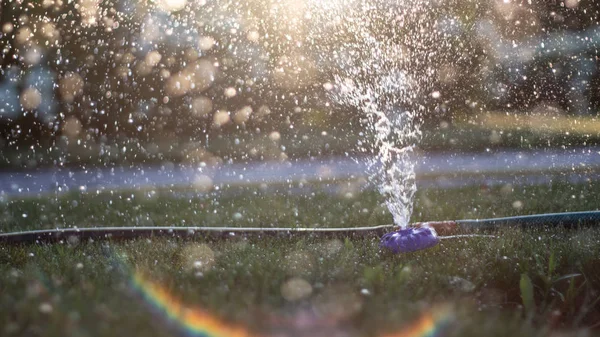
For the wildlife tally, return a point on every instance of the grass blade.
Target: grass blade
(527, 293)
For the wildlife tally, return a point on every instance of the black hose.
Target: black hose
(99, 233)
(568, 220)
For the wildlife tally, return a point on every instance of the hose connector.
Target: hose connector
(441, 227)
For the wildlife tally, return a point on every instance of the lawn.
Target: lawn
(522, 283)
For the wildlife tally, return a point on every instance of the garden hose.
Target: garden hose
(567, 219)
(96, 233)
(419, 236)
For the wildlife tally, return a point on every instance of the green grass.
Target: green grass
(516, 284)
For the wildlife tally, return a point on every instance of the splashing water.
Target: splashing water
(131, 75)
(379, 52)
(395, 132)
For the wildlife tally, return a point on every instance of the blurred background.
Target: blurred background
(130, 82)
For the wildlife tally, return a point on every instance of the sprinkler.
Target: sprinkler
(410, 239)
(418, 236)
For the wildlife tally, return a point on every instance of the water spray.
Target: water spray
(418, 236)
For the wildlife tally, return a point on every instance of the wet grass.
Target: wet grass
(304, 287)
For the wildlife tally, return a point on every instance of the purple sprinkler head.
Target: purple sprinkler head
(410, 239)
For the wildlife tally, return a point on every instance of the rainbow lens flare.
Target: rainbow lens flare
(197, 322)
(193, 321)
(430, 324)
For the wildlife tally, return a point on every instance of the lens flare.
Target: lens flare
(194, 321)
(430, 324)
(197, 322)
